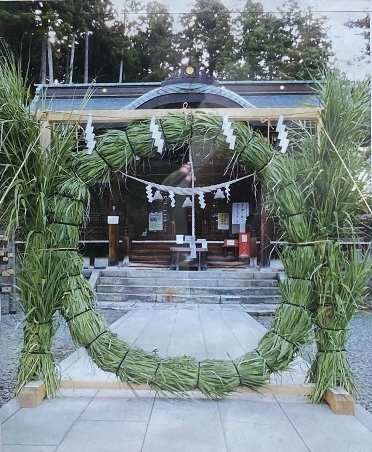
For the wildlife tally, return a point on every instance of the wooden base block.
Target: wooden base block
(31, 395)
(340, 401)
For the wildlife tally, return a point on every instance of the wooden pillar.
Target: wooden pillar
(253, 253)
(45, 134)
(265, 248)
(113, 236)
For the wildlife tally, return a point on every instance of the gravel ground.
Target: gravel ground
(359, 350)
(11, 342)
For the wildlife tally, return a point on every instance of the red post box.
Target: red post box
(244, 244)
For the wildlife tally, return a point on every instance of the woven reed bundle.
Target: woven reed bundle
(43, 202)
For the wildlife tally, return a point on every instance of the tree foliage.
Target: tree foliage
(144, 42)
(364, 30)
(308, 50)
(208, 37)
(153, 44)
(264, 41)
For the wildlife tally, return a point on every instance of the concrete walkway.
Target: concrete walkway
(111, 420)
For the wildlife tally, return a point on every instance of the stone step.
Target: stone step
(177, 298)
(230, 291)
(186, 282)
(252, 309)
(247, 286)
(172, 275)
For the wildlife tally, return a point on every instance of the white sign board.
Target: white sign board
(113, 219)
(240, 212)
(155, 221)
(223, 221)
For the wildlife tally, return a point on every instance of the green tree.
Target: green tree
(107, 49)
(24, 27)
(122, 62)
(290, 44)
(80, 18)
(364, 26)
(122, 30)
(154, 44)
(208, 38)
(309, 48)
(263, 42)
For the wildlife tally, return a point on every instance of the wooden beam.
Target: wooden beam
(339, 400)
(124, 116)
(291, 389)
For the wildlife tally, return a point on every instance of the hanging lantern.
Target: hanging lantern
(187, 202)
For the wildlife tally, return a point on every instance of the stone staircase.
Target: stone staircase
(217, 286)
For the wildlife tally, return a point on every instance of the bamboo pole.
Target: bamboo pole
(261, 115)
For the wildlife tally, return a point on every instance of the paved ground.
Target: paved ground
(109, 420)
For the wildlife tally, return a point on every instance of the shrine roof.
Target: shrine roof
(122, 96)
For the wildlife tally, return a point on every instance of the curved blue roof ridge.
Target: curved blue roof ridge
(188, 88)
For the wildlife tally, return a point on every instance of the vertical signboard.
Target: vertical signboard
(240, 212)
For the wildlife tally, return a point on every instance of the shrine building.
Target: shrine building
(234, 225)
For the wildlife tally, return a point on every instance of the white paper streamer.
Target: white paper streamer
(171, 197)
(89, 135)
(202, 200)
(187, 191)
(282, 135)
(156, 135)
(227, 192)
(187, 202)
(158, 196)
(149, 193)
(228, 131)
(219, 194)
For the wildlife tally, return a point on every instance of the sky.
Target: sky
(346, 45)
